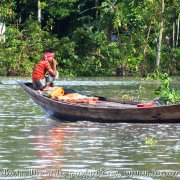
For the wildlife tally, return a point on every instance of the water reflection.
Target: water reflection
(49, 145)
(31, 141)
(84, 147)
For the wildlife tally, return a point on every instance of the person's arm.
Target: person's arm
(53, 70)
(54, 66)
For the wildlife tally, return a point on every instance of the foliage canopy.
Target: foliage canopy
(90, 37)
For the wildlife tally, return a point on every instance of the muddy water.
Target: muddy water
(33, 146)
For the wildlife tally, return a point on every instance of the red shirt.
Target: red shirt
(41, 68)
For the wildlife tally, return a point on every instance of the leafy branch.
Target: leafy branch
(167, 95)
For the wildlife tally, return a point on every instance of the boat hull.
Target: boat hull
(105, 112)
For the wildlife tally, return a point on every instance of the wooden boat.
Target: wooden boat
(106, 111)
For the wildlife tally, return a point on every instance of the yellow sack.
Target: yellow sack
(56, 92)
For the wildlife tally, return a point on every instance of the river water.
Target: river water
(33, 146)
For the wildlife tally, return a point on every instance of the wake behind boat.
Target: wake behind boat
(106, 110)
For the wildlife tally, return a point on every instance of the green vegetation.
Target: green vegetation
(91, 37)
(150, 140)
(167, 94)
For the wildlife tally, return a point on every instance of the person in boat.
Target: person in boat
(45, 69)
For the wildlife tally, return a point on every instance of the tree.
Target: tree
(161, 29)
(39, 12)
(6, 14)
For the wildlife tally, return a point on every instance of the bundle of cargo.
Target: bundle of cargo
(78, 98)
(57, 93)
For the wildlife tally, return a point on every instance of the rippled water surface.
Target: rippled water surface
(32, 146)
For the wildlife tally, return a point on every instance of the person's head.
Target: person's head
(48, 56)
